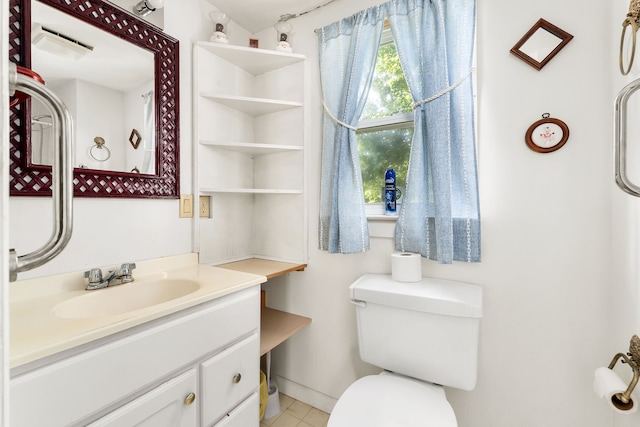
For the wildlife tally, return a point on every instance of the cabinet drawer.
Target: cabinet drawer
(245, 415)
(229, 377)
(164, 406)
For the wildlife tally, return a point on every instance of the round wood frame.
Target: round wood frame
(534, 138)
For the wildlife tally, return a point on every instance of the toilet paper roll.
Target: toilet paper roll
(607, 384)
(406, 267)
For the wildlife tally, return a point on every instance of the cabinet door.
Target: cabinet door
(229, 377)
(167, 405)
(245, 415)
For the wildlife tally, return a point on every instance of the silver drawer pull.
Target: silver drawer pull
(236, 378)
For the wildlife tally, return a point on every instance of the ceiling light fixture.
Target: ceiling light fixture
(145, 7)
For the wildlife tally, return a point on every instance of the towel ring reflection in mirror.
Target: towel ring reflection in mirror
(547, 135)
(99, 152)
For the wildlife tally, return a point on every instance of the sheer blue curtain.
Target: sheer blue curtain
(347, 51)
(440, 216)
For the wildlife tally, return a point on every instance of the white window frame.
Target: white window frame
(376, 211)
(395, 121)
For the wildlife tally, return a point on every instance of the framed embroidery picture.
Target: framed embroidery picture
(547, 134)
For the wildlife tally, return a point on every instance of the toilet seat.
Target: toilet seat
(392, 400)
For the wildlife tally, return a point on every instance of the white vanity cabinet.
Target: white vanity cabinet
(249, 123)
(196, 367)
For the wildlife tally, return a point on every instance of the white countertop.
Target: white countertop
(36, 332)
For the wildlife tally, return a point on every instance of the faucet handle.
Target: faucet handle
(94, 275)
(125, 272)
(127, 267)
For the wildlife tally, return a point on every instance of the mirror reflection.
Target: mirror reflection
(107, 84)
(540, 44)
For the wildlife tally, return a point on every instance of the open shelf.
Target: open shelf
(250, 130)
(210, 191)
(277, 326)
(263, 267)
(251, 148)
(250, 105)
(254, 61)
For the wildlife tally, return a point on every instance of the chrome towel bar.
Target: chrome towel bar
(62, 173)
(620, 139)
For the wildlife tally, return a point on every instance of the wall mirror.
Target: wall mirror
(541, 43)
(133, 93)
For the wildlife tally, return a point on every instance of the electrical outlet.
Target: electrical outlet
(203, 207)
(186, 206)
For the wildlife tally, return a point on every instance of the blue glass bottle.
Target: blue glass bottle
(390, 192)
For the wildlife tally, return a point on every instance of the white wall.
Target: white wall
(624, 285)
(546, 224)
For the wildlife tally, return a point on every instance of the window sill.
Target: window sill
(384, 218)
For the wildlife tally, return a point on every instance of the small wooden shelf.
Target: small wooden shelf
(277, 326)
(263, 267)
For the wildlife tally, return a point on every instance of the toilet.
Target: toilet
(425, 336)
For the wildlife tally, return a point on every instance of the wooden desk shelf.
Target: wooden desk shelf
(264, 267)
(275, 326)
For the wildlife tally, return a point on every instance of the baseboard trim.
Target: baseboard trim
(305, 394)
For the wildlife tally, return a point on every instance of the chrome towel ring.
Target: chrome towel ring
(99, 152)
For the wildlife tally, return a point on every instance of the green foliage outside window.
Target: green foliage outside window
(385, 146)
(389, 93)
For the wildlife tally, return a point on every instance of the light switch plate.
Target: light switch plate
(186, 206)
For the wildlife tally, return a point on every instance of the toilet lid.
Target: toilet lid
(392, 400)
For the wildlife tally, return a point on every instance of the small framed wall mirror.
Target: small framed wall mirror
(541, 43)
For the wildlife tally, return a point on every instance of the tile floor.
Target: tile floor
(294, 413)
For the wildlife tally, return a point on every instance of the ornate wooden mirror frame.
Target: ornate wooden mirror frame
(28, 179)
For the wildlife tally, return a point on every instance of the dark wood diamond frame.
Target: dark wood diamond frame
(35, 180)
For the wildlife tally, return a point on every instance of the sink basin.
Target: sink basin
(124, 298)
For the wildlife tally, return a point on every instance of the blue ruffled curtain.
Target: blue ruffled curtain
(440, 215)
(348, 50)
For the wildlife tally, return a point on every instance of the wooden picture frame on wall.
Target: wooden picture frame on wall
(547, 134)
(541, 43)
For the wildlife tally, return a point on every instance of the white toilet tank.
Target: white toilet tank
(426, 330)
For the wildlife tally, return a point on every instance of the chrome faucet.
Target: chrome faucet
(114, 277)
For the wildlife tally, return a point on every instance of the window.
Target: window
(445, 227)
(386, 127)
